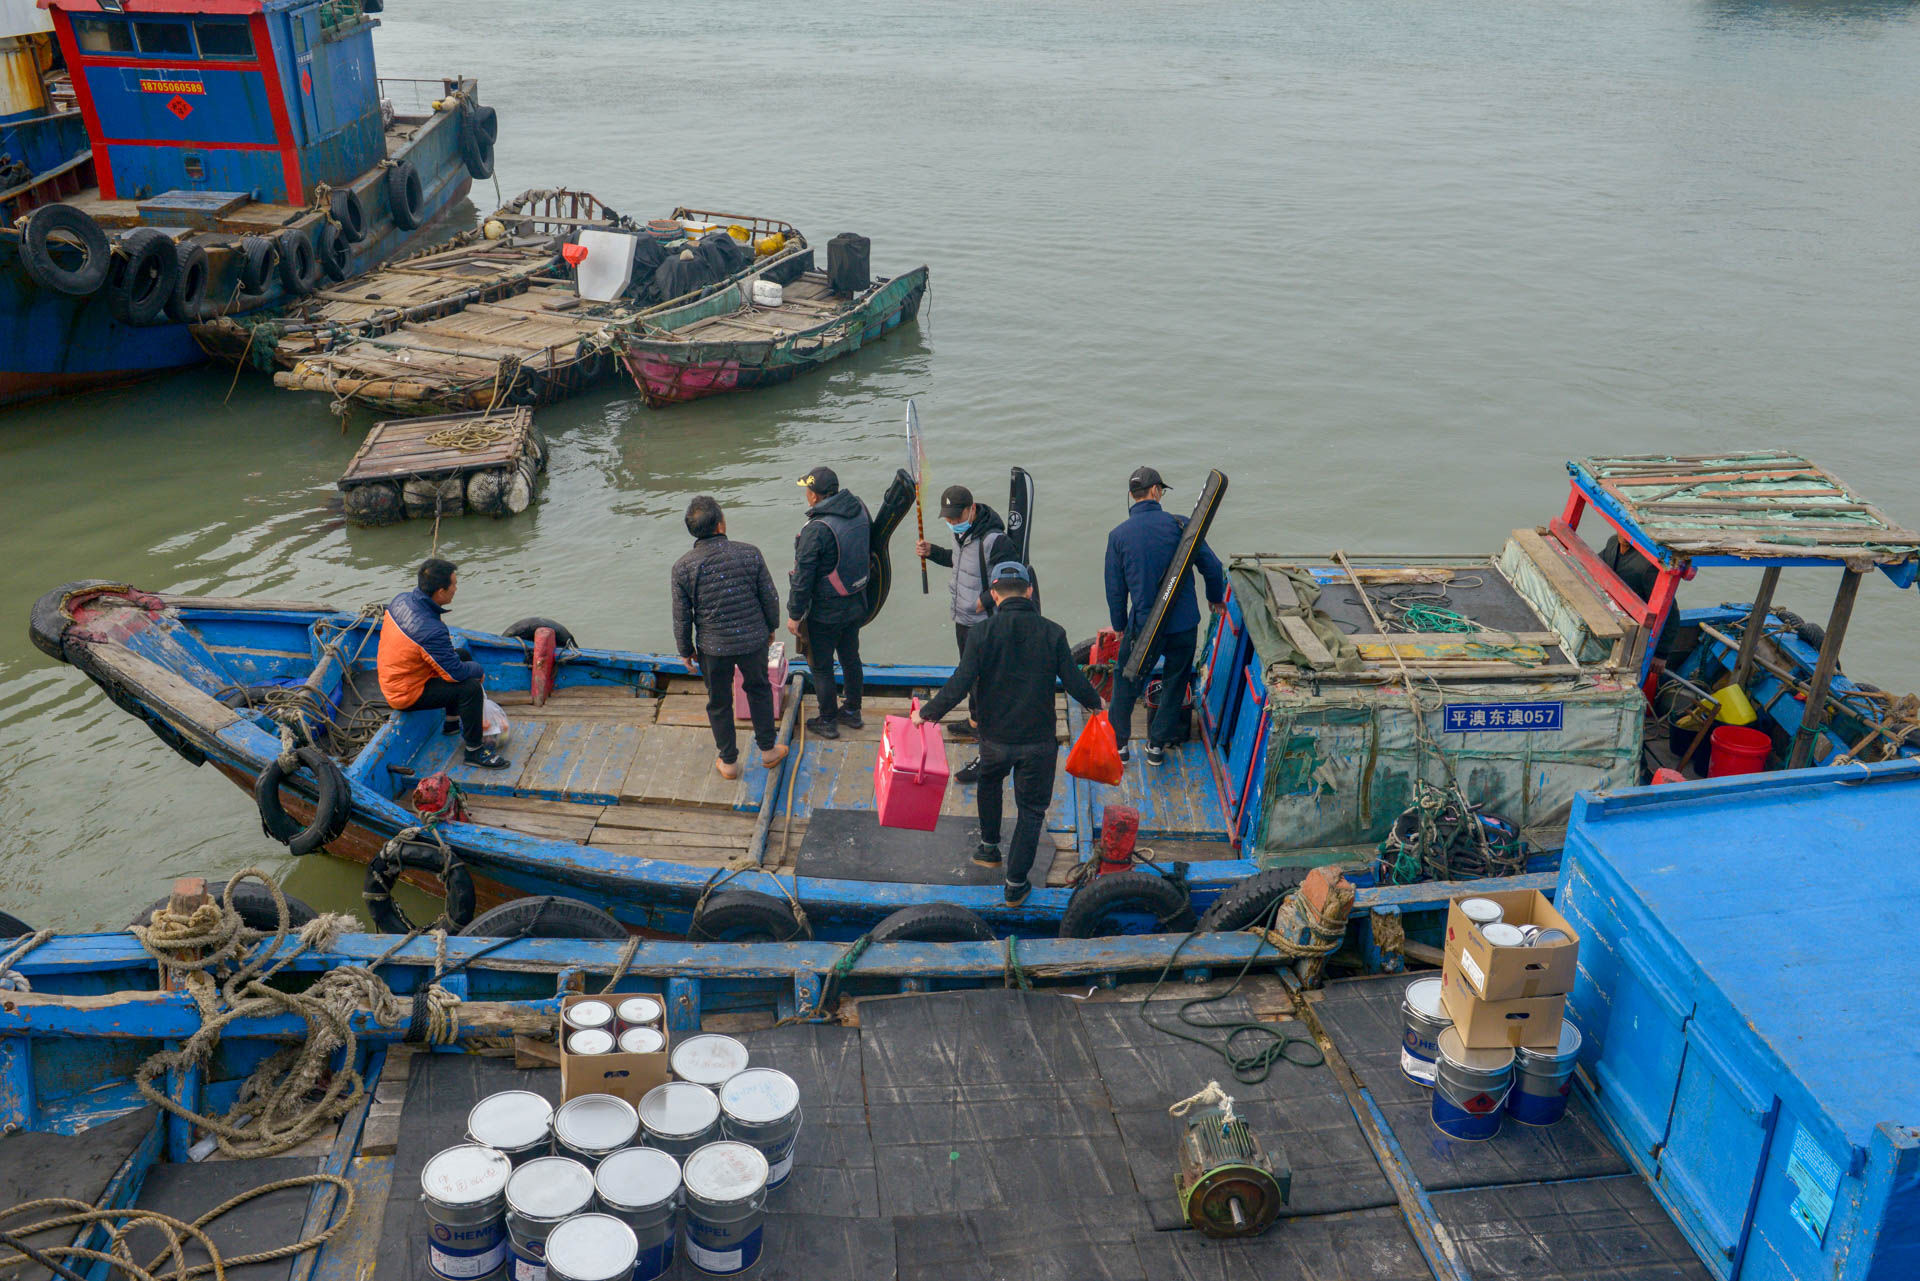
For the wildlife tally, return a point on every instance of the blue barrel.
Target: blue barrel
(1469, 1087)
(1543, 1080)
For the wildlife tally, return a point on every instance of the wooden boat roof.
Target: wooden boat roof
(1751, 506)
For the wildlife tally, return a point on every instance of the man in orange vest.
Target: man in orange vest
(419, 666)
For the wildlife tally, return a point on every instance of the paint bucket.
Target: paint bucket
(541, 1195)
(1481, 911)
(641, 1188)
(582, 1016)
(1423, 1019)
(592, 1041)
(591, 1247)
(516, 1122)
(1468, 1088)
(640, 1011)
(465, 1189)
(642, 1040)
(1500, 934)
(679, 1117)
(593, 1126)
(1543, 1080)
(708, 1059)
(762, 1107)
(726, 1185)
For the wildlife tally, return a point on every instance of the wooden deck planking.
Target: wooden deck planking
(675, 767)
(838, 774)
(574, 828)
(445, 754)
(585, 759)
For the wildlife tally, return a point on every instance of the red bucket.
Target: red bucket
(1738, 749)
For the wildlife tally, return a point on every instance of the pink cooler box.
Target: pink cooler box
(910, 776)
(776, 674)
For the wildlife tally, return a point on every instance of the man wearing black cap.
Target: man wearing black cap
(978, 533)
(1138, 552)
(1012, 662)
(828, 591)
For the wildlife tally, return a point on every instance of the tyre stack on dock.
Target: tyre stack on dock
(487, 464)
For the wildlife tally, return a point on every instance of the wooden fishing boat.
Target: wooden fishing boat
(1326, 736)
(728, 341)
(982, 1109)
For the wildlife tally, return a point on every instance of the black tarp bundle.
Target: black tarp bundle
(648, 254)
(685, 273)
(723, 254)
(849, 263)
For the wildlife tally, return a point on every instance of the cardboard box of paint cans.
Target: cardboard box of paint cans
(616, 1044)
(1510, 944)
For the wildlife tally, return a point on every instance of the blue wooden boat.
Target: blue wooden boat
(1319, 741)
(236, 156)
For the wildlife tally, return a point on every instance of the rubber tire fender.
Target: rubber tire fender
(251, 901)
(1145, 892)
(12, 927)
(299, 265)
(331, 811)
(37, 259)
(48, 622)
(476, 148)
(258, 257)
(350, 212)
(141, 282)
(190, 285)
(388, 916)
(406, 195)
(526, 627)
(746, 916)
(330, 247)
(932, 923)
(1252, 900)
(546, 916)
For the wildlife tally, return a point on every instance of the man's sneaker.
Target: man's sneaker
(486, 758)
(820, 727)
(1126, 753)
(727, 769)
(969, 773)
(850, 717)
(987, 855)
(774, 755)
(1017, 892)
(1156, 756)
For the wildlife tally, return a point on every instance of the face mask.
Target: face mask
(961, 528)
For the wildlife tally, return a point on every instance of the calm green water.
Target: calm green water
(1387, 265)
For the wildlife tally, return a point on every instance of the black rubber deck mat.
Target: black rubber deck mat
(833, 1166)
(1584, 1230)
(850, 845)
(1053, 1237)
(1300, 1110)
(1366, 1245)
(813, 1247)
(440, 1093)
(987, 1098)
(187, 1191)
(34, 1164)
(1484, 595)
(1363, 1018)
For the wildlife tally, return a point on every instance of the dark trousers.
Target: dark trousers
(826, 643)
(1031, 765)
(960, 634)
(717, 670)
(464, 697)
(1169, 721)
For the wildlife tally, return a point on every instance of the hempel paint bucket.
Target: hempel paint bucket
(1543, 1080)
(516, 1122)
(1423, 1019)
(591, 1247)
(709, 1059)
(726, 1187)
(761, 1107)
(465, 1189)
(1468, 1088)
(541, 1195)
(641, 1188)
(679, 1117)
(592, 1127)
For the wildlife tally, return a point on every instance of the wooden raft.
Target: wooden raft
(424, 467)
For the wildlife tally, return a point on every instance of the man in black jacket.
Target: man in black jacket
(828, 591)
(1012, 662)
(724, 613)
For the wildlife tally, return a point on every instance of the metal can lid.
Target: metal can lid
(679, 1109)
(550, 1187)
(511, 1119)
(726, 1171)
(641, 1009)
(638, 1178)
(642, 1040)
(1500, 934)
(595, 1123)
(585, 1014)
(708, 1059)
(1568, 1047)
(1453, 1048)
(592, 1247)
(1481, 911)
(759, 1096)
(1549, 935)
(1423, 995)
(465, 1175)
(592, 1041)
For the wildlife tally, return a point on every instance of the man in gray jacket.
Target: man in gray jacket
(978, 543)
(724, 613)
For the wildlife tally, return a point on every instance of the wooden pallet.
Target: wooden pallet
(400, 449)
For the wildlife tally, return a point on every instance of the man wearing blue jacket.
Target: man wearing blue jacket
(1138, 552)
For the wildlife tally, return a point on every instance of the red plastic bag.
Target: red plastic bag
(1096, 757)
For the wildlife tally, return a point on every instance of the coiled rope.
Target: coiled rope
(470, 438)
(9, 981)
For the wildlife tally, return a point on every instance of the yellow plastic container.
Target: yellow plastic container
(1735, 707)
(768, 245)
(740, 233)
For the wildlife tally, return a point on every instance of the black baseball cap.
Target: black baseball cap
(1143, 479)
(1011, 573)
(956, 500)
(822, 481)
